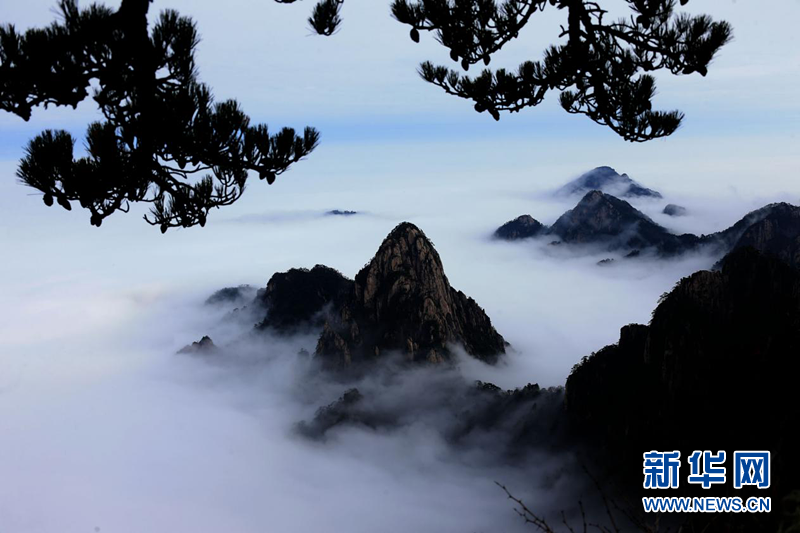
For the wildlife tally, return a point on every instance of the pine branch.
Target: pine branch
(163, 140)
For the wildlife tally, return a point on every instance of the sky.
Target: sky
(104, 428)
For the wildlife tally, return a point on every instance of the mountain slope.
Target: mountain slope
(715, 369)
(522, 227)
(776, 233)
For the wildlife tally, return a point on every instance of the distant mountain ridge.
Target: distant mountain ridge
(607, 180)
(603, 220)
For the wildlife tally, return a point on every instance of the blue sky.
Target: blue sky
(360, 84)
(384, 129)
(360, 89)
(382, 125)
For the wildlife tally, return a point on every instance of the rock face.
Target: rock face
(674, 210)
(600, 218)
(401, 301)
(522, 227)
(716, 369)
(607, 180)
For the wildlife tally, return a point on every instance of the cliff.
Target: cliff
(401, 301)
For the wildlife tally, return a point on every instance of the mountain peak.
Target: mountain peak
(522, 227)
(603, 219)
(404, 297)
(404, 229)
(601, 215)
(595, 196)
(777, 233)
(405, 263)
(607, 180)
(401, 301)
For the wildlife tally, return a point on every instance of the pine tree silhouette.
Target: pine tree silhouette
(601, 70)
(163, 139)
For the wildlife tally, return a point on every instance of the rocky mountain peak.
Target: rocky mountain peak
(402, 301)
(405, 268)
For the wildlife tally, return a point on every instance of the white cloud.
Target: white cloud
(103, 426)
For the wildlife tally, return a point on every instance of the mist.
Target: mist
(105, 428)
